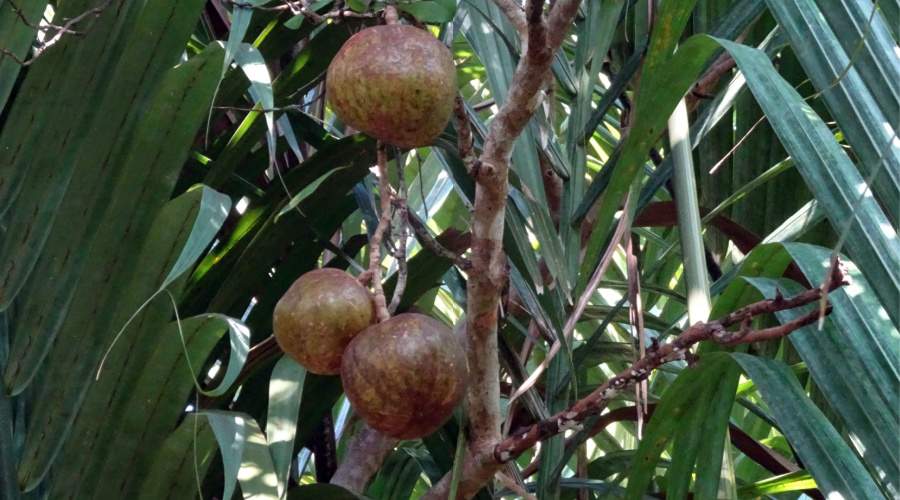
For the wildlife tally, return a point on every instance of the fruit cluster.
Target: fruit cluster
(403, 376)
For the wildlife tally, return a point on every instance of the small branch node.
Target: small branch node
(365, 278)
(691, 359)
(391, 16)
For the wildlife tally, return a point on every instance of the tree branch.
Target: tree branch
(704, 86)
(560, 19)
(364, 456)
(464, 143)
(488, 275)
(678, 349)
(516, 15)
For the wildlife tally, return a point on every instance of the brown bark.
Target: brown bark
(678, 349)
(363, 458)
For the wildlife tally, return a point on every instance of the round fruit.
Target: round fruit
(319, 315)
(395, 83)
(405, 376)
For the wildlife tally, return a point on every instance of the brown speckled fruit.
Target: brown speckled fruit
(405, 376)
(318, 316)
(395, 83)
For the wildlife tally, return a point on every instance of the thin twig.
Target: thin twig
(57, 30)
(400, 252)
(736, 146)
(637, 323)
(464, 142)
(678, 349)
(483, 105)
(384, 193)
(305, 8)
(299, 107)
(430, 243)
(753, 449)
(514, 486)
(580, 306)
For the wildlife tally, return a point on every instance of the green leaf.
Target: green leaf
(144, 186)
(859, 318)
(862, 100)
(768, 260)
(192, 444)
(396, 478)
(359, 5)
(104, 300)
(797, 224)
(829, 173)
(251, 61)
(750, 186)
(651, 114)
(9, 490)
(864, 391)
(214, 207)
(669, 419)
(244, 454)
(66, 166)
(125, 416)
(239, 336)
(430, 11)
(17, 41)
(240, 21)
(302, 195)
(285, 392)
(39, 125)
(672, 17)
(714, 429)
(794, 481)
(824, 453)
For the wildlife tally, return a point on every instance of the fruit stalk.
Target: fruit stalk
(391, 16)
(384, 194)
(400, 254)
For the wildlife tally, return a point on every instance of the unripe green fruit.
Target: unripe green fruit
(319, 315)
(405, 376)
(395, 83)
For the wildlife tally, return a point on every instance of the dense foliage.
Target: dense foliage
(169, 168)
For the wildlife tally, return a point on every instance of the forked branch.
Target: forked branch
(678, 349)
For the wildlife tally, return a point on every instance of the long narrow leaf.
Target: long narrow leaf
(245, 455)
(827, 457)
(285, 391)
(829, 173)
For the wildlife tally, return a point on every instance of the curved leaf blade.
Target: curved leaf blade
(828, 172)
(827, 457)
(285, 391)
